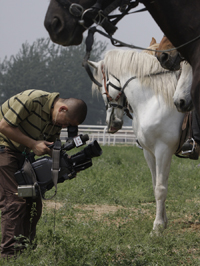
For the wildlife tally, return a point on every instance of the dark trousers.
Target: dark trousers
(196, 126)
(18, 217)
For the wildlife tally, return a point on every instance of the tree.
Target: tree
(49, 67)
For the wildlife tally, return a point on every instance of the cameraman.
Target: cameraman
(30, 120)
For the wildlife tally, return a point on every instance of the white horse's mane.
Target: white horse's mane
(131, 63)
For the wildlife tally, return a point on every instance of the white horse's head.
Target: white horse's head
(115, 100)
(182, 97)
(115, 72)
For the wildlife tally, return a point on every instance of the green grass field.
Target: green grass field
(105, 215)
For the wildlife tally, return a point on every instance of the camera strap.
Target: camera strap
(56, 163)
(29, 172)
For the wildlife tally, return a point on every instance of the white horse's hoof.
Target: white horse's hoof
(157, 230)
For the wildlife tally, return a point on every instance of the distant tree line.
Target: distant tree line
(49, 67)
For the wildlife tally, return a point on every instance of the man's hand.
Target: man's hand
(41, 147)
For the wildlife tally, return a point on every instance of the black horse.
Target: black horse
(178, 19)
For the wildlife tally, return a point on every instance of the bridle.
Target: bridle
(99, 15)
(110, 99)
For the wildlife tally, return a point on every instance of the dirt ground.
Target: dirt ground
(97, 211)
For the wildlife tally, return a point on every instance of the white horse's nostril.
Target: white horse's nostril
(182, 103)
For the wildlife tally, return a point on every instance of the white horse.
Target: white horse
(138, 78)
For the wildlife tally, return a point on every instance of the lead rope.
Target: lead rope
(54, 231)
(89, 43)
(55, 171)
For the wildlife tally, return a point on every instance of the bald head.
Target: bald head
(77, 109)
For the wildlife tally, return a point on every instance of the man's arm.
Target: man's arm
(39, 147)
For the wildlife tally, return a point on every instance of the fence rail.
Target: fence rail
(99, 133)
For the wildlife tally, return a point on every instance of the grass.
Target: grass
(104, 216)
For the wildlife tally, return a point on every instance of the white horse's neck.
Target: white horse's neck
(124, 64)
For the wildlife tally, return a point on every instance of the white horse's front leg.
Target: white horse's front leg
(150, 159)
(163, 162)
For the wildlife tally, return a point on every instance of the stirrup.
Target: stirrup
(188, 147)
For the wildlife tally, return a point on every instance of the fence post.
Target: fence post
(104, 135)
(114, 139)
(126, 135)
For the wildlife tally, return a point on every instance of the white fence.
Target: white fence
(123, 136)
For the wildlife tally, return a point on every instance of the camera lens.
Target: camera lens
(93, 149)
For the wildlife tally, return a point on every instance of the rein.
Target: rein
(89, 43)
(102, 18)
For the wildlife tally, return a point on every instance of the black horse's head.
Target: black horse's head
(66, 21)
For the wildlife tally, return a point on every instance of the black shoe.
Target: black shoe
(191, 149)
(188, 146)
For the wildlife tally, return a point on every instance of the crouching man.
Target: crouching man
(30, 120)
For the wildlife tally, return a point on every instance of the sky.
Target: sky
(23, 20)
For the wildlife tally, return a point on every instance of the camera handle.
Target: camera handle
(56, 163)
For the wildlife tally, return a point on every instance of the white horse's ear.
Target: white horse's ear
(93, 64)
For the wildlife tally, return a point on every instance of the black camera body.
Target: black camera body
(42, 167)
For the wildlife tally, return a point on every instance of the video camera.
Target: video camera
(35, 177)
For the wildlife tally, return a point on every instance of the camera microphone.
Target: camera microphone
(84, 138)
(75, 142)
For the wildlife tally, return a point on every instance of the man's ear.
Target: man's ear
(63, 108)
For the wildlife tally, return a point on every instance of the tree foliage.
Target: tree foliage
(49, 67)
